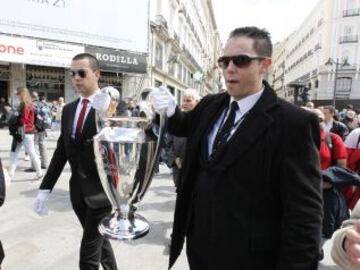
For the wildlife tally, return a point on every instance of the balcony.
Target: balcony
(351, 12)
(349, 39)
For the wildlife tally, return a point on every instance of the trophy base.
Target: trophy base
(117, 228)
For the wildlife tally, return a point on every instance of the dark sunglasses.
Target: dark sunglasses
(241, 61)
(80, 72)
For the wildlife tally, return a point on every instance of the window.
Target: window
(157, 83)
(159, 55)
(348, 30)
(172, 68)
(343, 84)
(179, 72)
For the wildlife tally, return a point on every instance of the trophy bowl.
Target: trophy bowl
(126, 152)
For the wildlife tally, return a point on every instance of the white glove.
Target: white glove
(101, 102)
(40, 206)
(161, 99)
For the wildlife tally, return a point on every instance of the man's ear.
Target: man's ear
(266, 63)
(97, 74)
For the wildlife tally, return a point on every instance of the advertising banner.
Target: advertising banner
(119, 61)
(37, 51)
(119, 24)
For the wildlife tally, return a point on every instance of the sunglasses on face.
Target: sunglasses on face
(241, 61)
(80, 72)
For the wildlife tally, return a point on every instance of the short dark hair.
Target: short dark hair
(261, 37)
(94, 63)
(331, 109)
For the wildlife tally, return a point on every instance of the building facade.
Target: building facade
(322, 57)
(36, 47)
(184, 46)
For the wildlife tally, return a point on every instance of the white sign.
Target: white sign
(37, 52)
(119, 24)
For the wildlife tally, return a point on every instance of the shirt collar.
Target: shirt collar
(246, 103)
(90, 98)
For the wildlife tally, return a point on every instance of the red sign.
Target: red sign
(11, 49)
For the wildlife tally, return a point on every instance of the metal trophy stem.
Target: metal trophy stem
(126, 152)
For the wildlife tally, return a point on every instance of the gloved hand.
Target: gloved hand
(101, 102)
(40, 206)
(161, 99)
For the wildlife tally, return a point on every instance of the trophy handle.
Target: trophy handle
(149, 173)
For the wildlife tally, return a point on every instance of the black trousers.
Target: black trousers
(94, 249)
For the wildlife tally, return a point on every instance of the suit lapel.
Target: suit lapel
(211, 114)
(89, 123)
(250, 131)
(71, 116)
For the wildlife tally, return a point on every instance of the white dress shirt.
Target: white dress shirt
(245, 105)
(78, 110)
(328, 125)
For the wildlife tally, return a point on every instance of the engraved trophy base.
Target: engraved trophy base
(116, 228)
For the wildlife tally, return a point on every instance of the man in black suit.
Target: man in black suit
(250, 196)
(75, 146)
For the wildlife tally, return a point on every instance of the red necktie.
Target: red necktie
(81, 118)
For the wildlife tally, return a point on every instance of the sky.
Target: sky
(279, 17)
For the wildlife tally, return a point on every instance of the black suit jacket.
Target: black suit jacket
(263, 198)
(84, 183)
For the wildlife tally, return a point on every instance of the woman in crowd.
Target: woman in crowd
(26, 121)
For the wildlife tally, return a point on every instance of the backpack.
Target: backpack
(15, 128)
(42, 119)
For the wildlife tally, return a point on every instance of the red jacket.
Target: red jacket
(27, 119)
(352, 194)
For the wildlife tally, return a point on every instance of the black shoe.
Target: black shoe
(29, 170)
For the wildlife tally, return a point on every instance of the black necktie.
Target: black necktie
(223, 134)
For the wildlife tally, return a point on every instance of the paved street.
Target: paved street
(52, 242)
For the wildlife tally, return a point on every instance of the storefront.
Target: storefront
(114, 63)
(4, 82)
(46, 80)
(38, 64)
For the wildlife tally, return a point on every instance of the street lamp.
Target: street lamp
(330, 62)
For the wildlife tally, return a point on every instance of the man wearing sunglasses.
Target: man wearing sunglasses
(250, 196)
(75, 145)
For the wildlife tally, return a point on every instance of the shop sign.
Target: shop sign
(37, 51)
(119, 61)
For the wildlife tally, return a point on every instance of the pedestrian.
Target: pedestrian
(75, 145)
(26, 119)
(42, 111)
(332, 153)
(352, 144)
(59, 107)
(132, 109)
(251, 195)
(177, 151)
(331, 125)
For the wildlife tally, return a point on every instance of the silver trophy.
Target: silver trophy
(126, 152)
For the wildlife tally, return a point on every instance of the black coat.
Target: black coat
(85, 182)
(263, 198)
